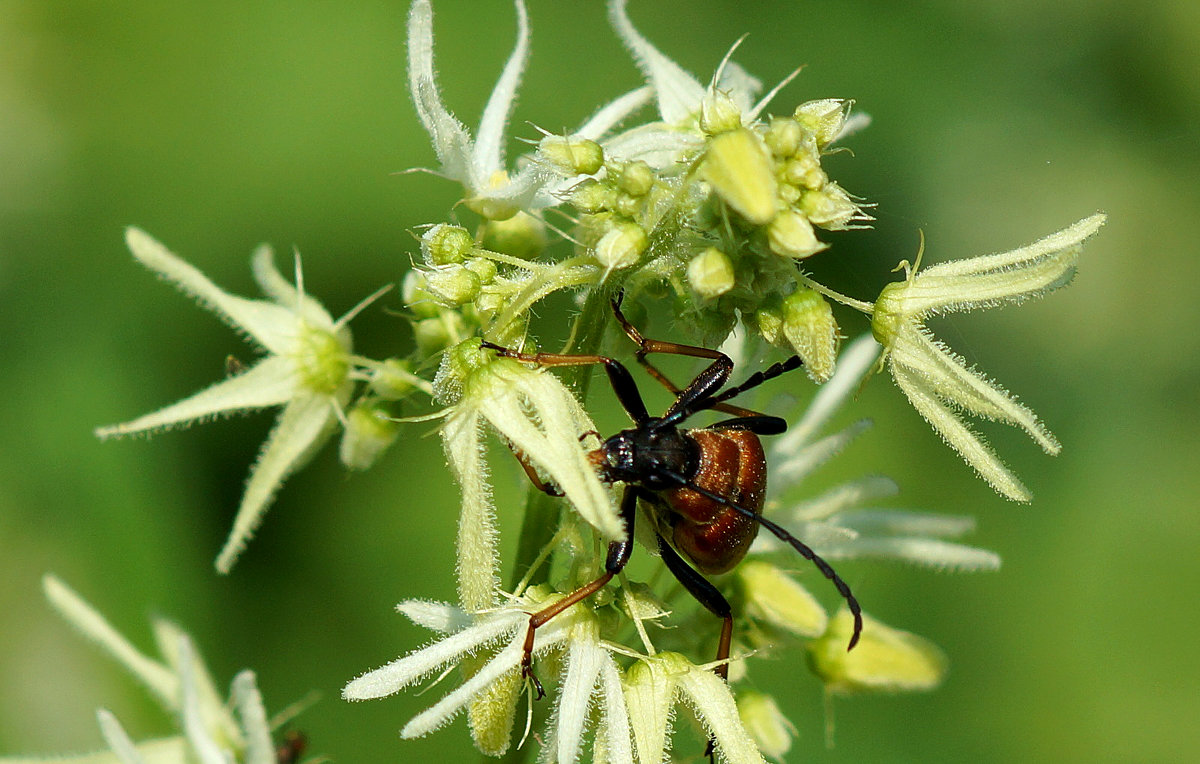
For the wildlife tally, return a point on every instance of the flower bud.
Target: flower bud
(621, 246)
(446, 244)
(521, 235)
(636, 178)
(710, 273)
(738, 166)
(823, 118)
(482, 267)
(884, 660)
(452, 285)
(571, 156)
(783, 137)
(771, 730)
(415, 293)
(718, 113)
(393, 379)
(434, 335)
(804, 171)
(791, 235)
(369, 431)
(769, 320)
(812, 331)
(776, 599)
(490, 714)
(831, 207)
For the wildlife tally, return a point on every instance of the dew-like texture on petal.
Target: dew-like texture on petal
(679, 93)
(157, 677)
(402, 672)
(303, 427)
(267, 323)
(270, 382)
(478, 564)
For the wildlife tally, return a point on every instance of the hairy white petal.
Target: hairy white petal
(933, 553)
(585, 659)
(853, 365)
(279, 289)
(206, 750)
(303, 427)
(488, 156)
(900, 522)
(436, 616)
(249, 703)
(796, 467)
(478, 564)
(709, 696)
(616, 718)
(679, 93)
(451, 141)
(117, 739)
(612, 113)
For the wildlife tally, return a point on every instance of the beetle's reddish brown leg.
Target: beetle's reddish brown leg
(614, 563)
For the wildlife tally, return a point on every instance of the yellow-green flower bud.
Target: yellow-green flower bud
(710, 273)
(452, 285)
(824, 118)
(573, 156)
(771, 730)
(393, 379)
(783, 137)
(591, 196)
(521, 235)
(446, 244)
(482, 267)
(884, 660)
(621, 246)
(415, 293)
(738, 166)
(830, 207)
(812, 331)
(718, 113)
(369, 431)
(804, 171)
(776, 599)
(791, 235)
(636, 178)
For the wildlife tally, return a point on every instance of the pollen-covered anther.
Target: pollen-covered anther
(321, 360)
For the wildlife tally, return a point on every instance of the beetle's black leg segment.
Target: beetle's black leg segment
(706, 594)
(614, 563)
(622, 383)
(782, 534)
(754, 380)
(759, 424)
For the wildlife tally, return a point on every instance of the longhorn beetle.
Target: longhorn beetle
(705, 486)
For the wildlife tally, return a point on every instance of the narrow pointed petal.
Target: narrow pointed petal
(267, 323)
(679, 93)
(900, 522)
(451, 141)
(932, 553)
(585, 659)
(798, 466)
(478, 565)
(709, 696)
(855, 362)
(117, 739)
(947, 374)
(270, 382)
(447, 708)
(436, 616)
(289, 295)
(249, 703)
(958, 435)
(488, 156)
(402, 672)
(303, 426)
(154, 675)
(844, 496)
(616, 717)
(170, 637)
(203, 746)
(611, 114)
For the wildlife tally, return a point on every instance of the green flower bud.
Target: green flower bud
(769, 320)
(710, 273)
(572, 156)
(490, 713)
(482, 267)
(369, 431)
(521, 235)
(791, 235)
(831, 207)
(392, 380)
(804, 171)
(636, 179)
(718, 113)
(415, 293)
(823, 118)
(884, 660)
(452, 285)
(783, 137)
(812, 331)
(770, 729)
(621, 246)
(591, 196)
(446, 244)
(738, 166)
(776, 599)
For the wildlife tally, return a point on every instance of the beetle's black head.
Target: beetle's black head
(647, 455)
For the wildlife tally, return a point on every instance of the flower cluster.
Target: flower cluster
(717, 209)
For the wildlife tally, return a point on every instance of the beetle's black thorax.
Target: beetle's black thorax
(645, 455)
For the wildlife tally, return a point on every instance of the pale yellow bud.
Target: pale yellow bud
(369, 432)
(710, 273)
(393, 379)
(521, 235)
(452, 285)
(776, 599)
(824, 118)
(591, 196)
(738, 166)
(572, 156)
(446, 244)
(812, 331)
(783, 136)
(636, 179)
(884, 660)
(718, 113)
(791, 235)
(770, 729)
(830, 207)
(621, 246)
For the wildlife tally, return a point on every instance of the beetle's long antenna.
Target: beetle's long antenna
(783, 535)
(754, 380)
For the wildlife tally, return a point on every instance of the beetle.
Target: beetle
(705, 486)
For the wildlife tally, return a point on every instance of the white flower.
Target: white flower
(479, 163)
(211, 733)
(937, 381)
(499, 634)
(307, 370)
(541, 420)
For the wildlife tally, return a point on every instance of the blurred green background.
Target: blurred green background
(217, 126)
